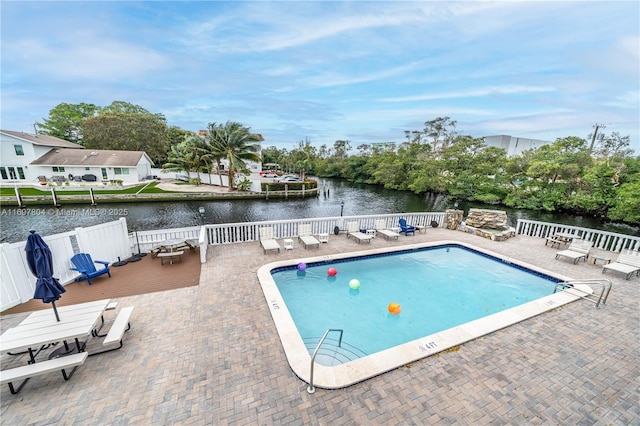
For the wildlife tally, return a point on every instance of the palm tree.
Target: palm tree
(189, 155)
(213, 149)
(236, 143)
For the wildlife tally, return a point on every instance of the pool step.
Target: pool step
(330, 353)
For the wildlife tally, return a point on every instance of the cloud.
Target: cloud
(483, 91)
(87, 58)
(331, 70)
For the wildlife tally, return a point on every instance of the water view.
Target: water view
(358, 199)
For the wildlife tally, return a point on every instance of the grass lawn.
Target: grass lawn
(150, 188)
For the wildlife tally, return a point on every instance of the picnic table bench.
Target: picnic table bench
(170, 255)
(25, 372)
(554, 241)
(116, 333)
(40, 328)
(174, 245)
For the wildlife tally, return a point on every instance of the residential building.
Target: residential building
(27, 158)
(514, 145)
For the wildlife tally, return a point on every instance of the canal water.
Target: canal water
(337, 197)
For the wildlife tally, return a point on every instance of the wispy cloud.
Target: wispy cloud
(479, 92)
(357, 70)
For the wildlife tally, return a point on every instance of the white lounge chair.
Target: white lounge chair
(353, 230)
(578, 249)
(627, 263)
(382, 229)
(267, 239)
(305, 235)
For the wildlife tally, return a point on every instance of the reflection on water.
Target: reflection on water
(358, 200)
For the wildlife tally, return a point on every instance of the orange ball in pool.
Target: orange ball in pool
(394, 308)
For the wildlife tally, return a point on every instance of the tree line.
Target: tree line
(569, 175)
(601, 178)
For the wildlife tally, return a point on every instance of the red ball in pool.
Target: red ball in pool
(332, 272)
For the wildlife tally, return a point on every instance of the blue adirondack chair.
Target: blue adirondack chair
(87, 267)
(406, 229)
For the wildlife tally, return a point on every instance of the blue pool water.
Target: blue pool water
(437, 288)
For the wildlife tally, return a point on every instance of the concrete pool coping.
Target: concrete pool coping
(343, 375)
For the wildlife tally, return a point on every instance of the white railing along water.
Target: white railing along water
(604, 240)
(230, 233)
(144, 241)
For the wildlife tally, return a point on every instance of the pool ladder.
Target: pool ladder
(604, 292)
(311, 388)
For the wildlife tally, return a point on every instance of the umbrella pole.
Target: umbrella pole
(55, 311)
(140, 255)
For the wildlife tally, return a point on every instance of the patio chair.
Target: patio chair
(87, 267)
(627, 263)
(578, 249)
(382, 229)
(353, 230)
(305, 235)
(406, 229)
(267, 239)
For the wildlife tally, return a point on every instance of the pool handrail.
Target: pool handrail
(604, 293)
(311, 388)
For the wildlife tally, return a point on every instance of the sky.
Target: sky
(362, 71)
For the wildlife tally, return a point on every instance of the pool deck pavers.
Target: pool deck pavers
(210, 355)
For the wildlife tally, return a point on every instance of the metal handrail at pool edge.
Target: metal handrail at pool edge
(604, 293)
(311, 388)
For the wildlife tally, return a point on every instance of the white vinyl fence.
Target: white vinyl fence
(229, 233)
(144, 241)
(107, 241)
(604, 240)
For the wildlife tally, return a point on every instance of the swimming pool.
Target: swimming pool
(302, 317)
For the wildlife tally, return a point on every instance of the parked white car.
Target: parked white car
(288, 178)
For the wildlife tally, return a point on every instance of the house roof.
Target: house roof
(86, 157)
(42, 140)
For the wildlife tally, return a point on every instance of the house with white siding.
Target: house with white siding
(28, 158)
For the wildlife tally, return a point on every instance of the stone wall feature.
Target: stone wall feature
(487, 219)
(453, 218)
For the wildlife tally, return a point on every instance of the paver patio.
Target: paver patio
(210, 354)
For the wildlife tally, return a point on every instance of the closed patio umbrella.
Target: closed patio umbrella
(40, 261)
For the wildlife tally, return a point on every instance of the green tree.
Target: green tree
(341, 149)
(237, 144)
(614, 146)
(626, 205)
(272, 154)
(186, 156)
(304, 158)
(473, 170)
(175, 135)
(131, 128)
(441, 131)
(213, 153)
(401, 169)
(65, 121)
(127, 108)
